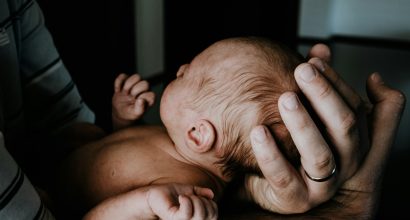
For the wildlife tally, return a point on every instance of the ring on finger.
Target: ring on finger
(322, 179)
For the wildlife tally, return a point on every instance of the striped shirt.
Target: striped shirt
(37, 96)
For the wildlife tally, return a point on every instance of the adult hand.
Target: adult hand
(343, 114)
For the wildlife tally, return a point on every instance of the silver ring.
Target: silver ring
(317, 179)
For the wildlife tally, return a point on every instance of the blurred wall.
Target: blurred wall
(149, 32)
(364, 18)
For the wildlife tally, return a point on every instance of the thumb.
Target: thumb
(388, 105)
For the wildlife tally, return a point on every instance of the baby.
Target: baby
(208, 112)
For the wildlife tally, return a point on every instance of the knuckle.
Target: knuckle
(281, 179)
(325, 90)
(348, 122)
(266, 159)
(322, 163)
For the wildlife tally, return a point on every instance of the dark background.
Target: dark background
(96, 39)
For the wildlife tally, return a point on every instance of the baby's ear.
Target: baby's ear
(201, 136)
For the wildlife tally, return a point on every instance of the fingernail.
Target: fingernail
(318, 63)
(291, 102)
(308, 73)
(258, 134)
(377, 78)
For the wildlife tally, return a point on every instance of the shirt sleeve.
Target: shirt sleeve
(18, 198)
(51, 98)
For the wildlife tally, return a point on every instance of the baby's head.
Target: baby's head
(228, 89)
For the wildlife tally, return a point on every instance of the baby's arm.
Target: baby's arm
(131, 98)
(168, 201)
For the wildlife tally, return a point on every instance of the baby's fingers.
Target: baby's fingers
(149, 97)
(139, 107)
(139, 87)
(203, 208)
(210, 207)
(142, 102)
(185, 210)
(130, 82)
(119, 81)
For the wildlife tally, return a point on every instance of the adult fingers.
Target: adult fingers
(345, 90)
(119, 81)
(338, 118)
(320, 50)
(387, 111)
(283, 180)
(320, 57)
(316, 156)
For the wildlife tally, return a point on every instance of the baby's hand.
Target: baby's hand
(178, 201)
(130, 99)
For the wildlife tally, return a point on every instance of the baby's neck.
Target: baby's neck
(206, 163)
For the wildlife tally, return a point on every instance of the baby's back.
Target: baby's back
(123, 161)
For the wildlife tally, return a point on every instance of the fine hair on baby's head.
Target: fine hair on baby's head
(242, 79)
